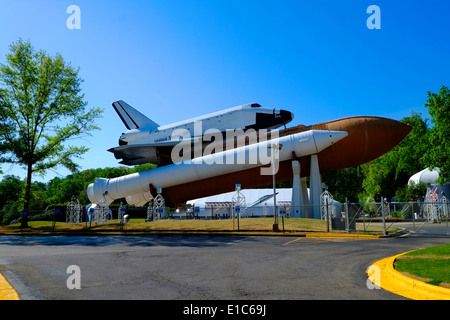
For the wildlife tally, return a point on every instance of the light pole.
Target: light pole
(276, 147)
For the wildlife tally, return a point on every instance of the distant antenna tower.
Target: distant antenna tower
(158, 204)
(326, 207)
(238, 200)
(432, 198)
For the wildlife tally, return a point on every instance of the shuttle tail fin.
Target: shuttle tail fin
(132, 118)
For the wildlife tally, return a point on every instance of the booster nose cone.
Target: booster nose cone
(325, 139)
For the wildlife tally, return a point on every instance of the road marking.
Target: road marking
(289, 242)
(6, 291)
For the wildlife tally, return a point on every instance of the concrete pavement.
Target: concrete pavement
(198, 267)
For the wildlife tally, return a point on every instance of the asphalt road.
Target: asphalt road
(197, 267)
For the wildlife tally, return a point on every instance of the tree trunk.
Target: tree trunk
(24, 223)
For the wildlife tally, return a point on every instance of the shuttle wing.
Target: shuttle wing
(135, 147)
(135, 154)
(139, 153)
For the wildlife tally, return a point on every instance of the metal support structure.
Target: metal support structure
(101, 211)
(433, 208)
(73, 211)
(326, 208)
(150, 211)
(238, 200)
(120, 214)
(158, 205)
(100, 214)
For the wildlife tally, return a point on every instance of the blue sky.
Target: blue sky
(176, 59)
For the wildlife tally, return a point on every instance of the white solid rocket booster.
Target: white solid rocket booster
(136, 187)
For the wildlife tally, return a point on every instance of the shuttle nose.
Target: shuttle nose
(286, 116)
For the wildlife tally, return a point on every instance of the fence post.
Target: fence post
(445, 207)
(347, 228)
(383, 216)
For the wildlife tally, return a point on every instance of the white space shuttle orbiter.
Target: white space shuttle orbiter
(147, 142)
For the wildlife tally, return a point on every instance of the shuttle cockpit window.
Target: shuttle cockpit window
(255, 105)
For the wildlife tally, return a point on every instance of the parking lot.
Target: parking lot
(197, 267)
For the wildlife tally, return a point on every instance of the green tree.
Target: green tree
(11, 197)
(408, 157)
(344, 184)
(11, 188)
(61, 190)
(439, 139)
(412, 192)
(390, 172)
(41, 108)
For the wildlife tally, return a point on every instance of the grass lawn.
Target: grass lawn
(247, 224)
(139, 225)
(431, 265)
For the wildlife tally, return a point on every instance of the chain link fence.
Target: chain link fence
(379, 217)
(384, 217)
(399, 217)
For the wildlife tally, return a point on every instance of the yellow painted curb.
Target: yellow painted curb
(383, 274)
(6, 291)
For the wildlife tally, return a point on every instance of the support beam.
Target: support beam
(315, 187)
(297, 196)
(305, 195)
(299, 202)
